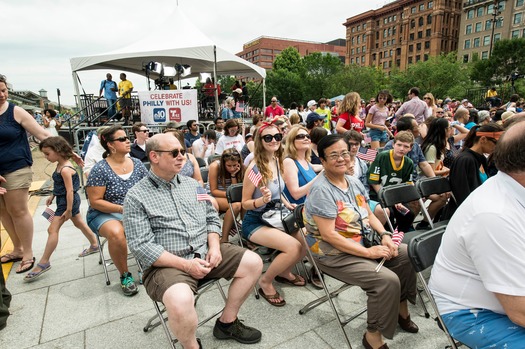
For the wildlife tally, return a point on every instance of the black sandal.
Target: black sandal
(23, 269)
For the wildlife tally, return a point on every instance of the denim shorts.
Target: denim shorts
(62, 205)
(378, 135)
(95, 219)
(252, 222)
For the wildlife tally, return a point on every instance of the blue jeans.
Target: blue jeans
(112, 107)
(481, 328)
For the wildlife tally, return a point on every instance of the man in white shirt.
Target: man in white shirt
(205, 146)
(478, 278)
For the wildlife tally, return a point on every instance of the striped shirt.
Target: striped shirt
(167, 216)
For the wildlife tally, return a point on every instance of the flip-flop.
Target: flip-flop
(30, 263)
(10, 258)
(269, 298)
(297, 281)
(32, 276)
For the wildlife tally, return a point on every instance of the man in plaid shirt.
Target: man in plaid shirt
(174, 232)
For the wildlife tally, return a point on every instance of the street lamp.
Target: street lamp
(495, 13)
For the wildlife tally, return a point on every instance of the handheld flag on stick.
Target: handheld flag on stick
(202, 195)
(397, 237)
(366, 154)
(255, 176)
(48, 214)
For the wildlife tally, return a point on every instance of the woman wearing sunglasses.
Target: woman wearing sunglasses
(260, 193)
(107, 185)
(299, 173)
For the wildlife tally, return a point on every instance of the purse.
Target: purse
(280, 217)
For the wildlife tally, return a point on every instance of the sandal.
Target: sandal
(269, 298)
(9, 258)
(33, 275)
(88, 251)
(22, 267)
(297, 281)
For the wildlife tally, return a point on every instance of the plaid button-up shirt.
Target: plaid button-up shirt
(168, 216)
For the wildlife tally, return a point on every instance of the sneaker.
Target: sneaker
(128, 284)
(238, 331)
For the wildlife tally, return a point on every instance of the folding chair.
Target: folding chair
(201, 162)
(212, 158)
(422, 251)
(434, 185)
(204, 174)
(160, 319)
(298, 214)
(399, 193)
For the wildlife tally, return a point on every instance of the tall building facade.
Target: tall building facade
(263, 50)
(403, 32)
(485, 22)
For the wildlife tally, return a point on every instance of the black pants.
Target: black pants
(5, 300)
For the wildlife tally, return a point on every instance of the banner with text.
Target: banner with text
(171, 105)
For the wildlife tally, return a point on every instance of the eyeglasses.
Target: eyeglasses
(144, 131)
(426, 97)
(334, 157)
(120, 139)
(273, 101)
(302, 136)
(354, 144)
(268, 138)
(174, 152)
(440, 112)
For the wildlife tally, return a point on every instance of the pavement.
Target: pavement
(71, 307)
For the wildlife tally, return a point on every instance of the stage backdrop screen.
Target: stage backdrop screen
(161, 106)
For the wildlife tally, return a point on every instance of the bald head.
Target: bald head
(509, 150)
(163, 141)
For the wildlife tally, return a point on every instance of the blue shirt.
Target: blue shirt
(107, 85)
(14, 145)
(305, 177)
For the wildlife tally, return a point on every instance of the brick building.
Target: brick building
(263, 50)
(483, 18)
(403, 32)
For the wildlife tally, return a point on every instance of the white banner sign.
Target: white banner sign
(161, 106)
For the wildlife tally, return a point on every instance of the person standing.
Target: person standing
(124, 89)
(274, 109)
(51, 123)
(414, 106)
(110, 93)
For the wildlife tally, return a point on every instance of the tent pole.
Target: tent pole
(216, 82)
(77, 91)
(264, 94)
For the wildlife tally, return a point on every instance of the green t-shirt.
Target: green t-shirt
(384, 171)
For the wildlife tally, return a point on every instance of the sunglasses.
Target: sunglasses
(120, 139)
(274, 101)
(268, 138)
(174, 152)
(144, 131)
(303, 136)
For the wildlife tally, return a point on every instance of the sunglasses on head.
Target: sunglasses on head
(303, 136)
(268, 138)
(120, 139)
(173, 152)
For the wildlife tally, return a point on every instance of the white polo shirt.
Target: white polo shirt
(483, 249)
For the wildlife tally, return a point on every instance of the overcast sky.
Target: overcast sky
(39, 37)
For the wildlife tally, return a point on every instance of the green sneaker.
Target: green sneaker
(128, 284)
(238, 331)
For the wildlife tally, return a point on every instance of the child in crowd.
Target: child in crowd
(223, 173)
(376, 118)
(66, 183)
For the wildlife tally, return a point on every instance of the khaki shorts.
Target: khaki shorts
(158, 280)
(19, 179)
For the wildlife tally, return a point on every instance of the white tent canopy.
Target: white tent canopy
(177, 42)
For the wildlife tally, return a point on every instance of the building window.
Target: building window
(519, 3)
(478, 27)
(389, 31)
(393, 41)
(485, 55)
(421, 21)
(427, 45)
(490, 9)
(488, 24)
(421, 7)
(476, 42)
(351, 61)
(385, 55)
(413, 10)
(465, 58)
(362, 59)
(430, 4)
(515, 34)
(429, 19)
(363, 49)
(352, 52)
(358, 27)
(364, 25)
(499, 23)
(501, 5)
(410, 48)
(418, 58)
(418, 46)
(265, 50)
(470, 14)
(364, 38)
(467, 44)
(517, 18)
(420, 34)
(425, 57)
(353, 29)
(412, 24)
(497, 37)
(486, 40)
(358, 39)
(411, 36)
(267, 58)
(384, 33)
(428, 33)
(409, 60)
(394, 18)
(385, 65)
(480, 11)
(385, 20)
(357, 50)
(468, 29)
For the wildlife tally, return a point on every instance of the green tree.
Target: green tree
(289, 59)
(318, 75)
(367, 81)
(284, 84)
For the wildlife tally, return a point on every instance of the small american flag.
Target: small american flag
(48, 214)
(397, 237)
(255, 176)
(366, 154)
(202, 195)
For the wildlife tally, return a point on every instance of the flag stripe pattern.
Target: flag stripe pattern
(397, 237)
(366, 154)
(48, 214)
(202, 195)
(255, 176)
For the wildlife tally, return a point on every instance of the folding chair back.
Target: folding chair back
(201, 162)
(298, 222)
(434, 185)
(422, 251)
(204, 174)
(212, 158)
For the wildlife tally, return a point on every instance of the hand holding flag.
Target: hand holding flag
(202, 195)
(255, 176)
(49, 214)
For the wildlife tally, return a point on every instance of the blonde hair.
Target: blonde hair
(432, 99)
(350, 104)
(290, 150)
(294, 119)
(405, 137)
(260, 157)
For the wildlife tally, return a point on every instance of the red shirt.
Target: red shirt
(273, 111)
(352, 122)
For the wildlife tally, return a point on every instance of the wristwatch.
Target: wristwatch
(385, 233)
